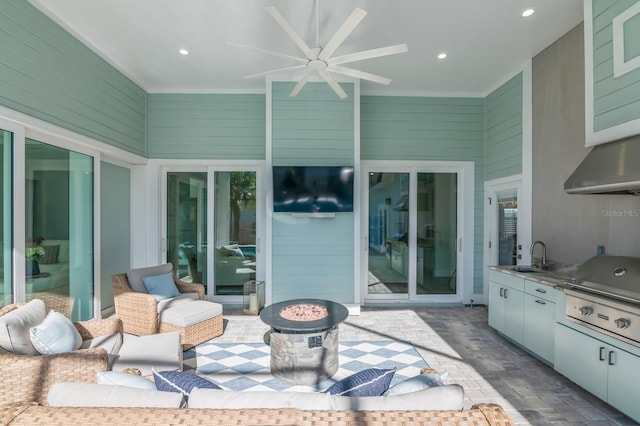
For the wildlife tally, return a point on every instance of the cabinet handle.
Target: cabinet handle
(501, 292)
(540, 302)
(540, 290)
(612, 361)
(602, 351)
(505, 293)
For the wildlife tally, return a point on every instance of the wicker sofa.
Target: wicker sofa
(33, 414)
(29, 377)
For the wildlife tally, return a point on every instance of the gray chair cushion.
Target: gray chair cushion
(134, 276)
(174, 301)
(186, 314)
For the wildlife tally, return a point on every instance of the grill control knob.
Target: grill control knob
(586, 310)
(622, 323)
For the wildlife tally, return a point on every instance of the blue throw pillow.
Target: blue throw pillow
(161, 286)
(369, 382)
(177, 381)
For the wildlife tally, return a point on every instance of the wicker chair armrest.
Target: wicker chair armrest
(138, 312)
(29, 377)
(99, 327)
(184, 287)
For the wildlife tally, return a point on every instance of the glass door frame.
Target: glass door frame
(22, 132)
(465, 229)
(211, 167)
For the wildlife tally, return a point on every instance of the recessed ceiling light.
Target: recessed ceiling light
(183, 51)
(528, 12)
(442, 55)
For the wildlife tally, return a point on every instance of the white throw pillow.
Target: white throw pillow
(14, 327)
(55, 335)
(124, 379)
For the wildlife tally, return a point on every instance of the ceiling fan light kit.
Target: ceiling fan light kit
(318, 60)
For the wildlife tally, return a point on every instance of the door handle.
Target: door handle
(602, 351)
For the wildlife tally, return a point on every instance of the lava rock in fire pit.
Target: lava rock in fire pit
(304, 312)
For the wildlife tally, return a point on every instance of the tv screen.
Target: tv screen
(312, 189)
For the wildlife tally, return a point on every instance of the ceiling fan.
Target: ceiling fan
(319, 59)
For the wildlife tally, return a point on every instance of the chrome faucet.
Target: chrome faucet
(544, 252)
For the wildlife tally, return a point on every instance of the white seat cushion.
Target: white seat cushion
(98, 395)
(160, 351)
(186, 314)
(174, 301)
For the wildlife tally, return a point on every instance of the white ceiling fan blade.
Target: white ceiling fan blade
(302, 82)
(359, 74)
(343, 32)
(268, 52)
(276, 71)
(368, 54)
(333, 83)
(275, 14)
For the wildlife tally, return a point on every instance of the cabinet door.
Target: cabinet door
(513, 314)
(624, 382)
(539, 326)
(496, 307)
(582, 359)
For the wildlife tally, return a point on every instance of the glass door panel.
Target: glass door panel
(6, 236)
(437, 234)
(59, 229)
(187, 225)
(234, 231)
(507, 227)
(388, 266)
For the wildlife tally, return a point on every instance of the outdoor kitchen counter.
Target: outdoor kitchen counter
(551, 279)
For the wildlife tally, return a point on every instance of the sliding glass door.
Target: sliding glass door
(212, 228)
(6, 232)
(59, 229)
(413, 233)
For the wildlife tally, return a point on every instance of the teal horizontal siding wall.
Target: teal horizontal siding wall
(313, 128)
(503, 127)
(447, 129)
(48, 74)
(313, 257)
(213, 126)
(615, 100)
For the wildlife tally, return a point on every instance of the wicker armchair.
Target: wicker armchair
(140, 316)
(28, 378)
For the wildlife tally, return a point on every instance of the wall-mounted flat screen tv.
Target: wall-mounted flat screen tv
(312, 189)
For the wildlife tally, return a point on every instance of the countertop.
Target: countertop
(555, 279)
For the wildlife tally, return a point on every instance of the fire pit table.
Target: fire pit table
(304, 339)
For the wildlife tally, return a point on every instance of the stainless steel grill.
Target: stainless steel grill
(605, 295)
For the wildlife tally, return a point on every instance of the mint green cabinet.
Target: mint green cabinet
(605, 370)
(539, 319)
(506, 299)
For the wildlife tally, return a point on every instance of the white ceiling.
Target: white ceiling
(487, 41)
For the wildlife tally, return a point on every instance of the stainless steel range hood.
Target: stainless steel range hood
(610, 168)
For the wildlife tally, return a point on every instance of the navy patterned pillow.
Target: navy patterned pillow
(369, 382)
(177, 381)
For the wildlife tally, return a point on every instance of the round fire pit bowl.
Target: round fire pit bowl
(304, 339)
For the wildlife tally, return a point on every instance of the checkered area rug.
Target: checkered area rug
(245, 366)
